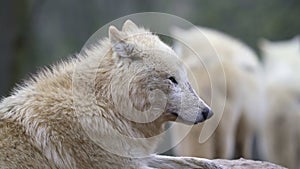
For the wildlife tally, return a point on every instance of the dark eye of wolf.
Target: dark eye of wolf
(173, 80)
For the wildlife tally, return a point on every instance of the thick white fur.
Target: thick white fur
(281, 130)
(241, 91)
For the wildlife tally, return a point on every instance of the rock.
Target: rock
(246, 164)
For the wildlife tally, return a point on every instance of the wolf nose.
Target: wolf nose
(206, 113)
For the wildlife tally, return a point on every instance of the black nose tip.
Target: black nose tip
(206, 113)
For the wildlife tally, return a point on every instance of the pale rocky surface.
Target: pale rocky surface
(246, 164)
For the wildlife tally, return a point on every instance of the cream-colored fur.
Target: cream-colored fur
(102, 109)
(281, 129)
(211, 55)
(281, 59)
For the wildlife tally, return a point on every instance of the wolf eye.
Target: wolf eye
(173, 80)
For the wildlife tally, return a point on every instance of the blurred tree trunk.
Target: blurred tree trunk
(13, 21)
(8, 34)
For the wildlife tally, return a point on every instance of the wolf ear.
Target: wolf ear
(119, 46)
(177, 32)
(129, 26)
(115, 35)
(263, 43)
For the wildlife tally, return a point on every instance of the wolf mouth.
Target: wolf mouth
(175, 114)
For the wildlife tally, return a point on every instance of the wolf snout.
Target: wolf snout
(205, 114)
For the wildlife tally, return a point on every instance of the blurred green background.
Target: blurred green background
(40, 32)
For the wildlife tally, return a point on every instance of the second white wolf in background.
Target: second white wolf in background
(281, 130)
(212, 53)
